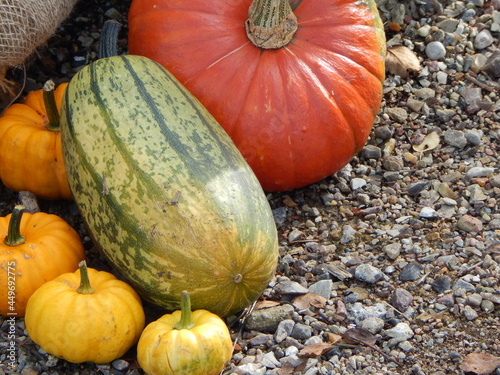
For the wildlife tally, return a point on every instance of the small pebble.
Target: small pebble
(401, 299)
(368, 273)
(470, 224)
(411, 272)
(435, 50)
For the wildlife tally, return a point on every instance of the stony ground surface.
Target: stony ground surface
(391, 266)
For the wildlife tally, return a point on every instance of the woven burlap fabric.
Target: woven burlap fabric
(26, 24)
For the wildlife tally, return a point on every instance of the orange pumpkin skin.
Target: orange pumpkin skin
(30, 154)
(52, 247)
(298, 113)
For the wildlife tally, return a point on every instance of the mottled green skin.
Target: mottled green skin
(165, 193)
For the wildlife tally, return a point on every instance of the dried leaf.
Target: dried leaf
(309, 300)
(430, 142)
(334, 338)
(480, 363)
(315, 350)
(401, 61)
(360, 335)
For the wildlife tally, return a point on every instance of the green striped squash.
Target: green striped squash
(164, 192)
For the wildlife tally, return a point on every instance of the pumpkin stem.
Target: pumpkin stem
(185, 322)
(109, 38)
(271, 24)
(85, 287)
(14, 236)
(50, 106)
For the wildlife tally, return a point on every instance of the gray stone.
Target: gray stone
(348, 234)
(425, 93)
(479, 172)
(455, 138)
(487, 306)
(269, 360)
(424, 31)
(322, 288)
(249, 369)
(301, 331)
(441, 283)
(384, 132)
(293, 360)
(120, 364)
(492, 65)
(371, 152)
(401, 299)
(368, 273)
(401, 332)
(267, 320)
(470, 224)
(445, 114)
(417, 187)
(476, 194)
(483, 39)
(261, 339)
(448, 25)
(357, 183)
(493, 297)
(411, 272)
(447, 300)
(474, 300)
(495, 180)
(478, 62)
(415, 105)
(283, 330)
(473, 137)
(397, 114)
(470, 313)
(392, 250)
(286, 286)
(464, 285)
(428, 213)
(435, 50)
(393, 163)
(472, 95)
(373, 324)
(295, 235)
(359, 312)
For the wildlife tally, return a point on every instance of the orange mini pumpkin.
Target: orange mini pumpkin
(34, 249)
(30, 145)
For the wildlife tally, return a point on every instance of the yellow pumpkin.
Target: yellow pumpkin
(88, 315)
(34, 249)
(30, 145)
(185, 343)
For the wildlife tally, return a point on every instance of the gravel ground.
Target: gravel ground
(391, 266)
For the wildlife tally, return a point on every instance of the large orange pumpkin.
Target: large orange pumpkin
(298, 109)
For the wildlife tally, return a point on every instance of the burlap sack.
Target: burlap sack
(26, 24)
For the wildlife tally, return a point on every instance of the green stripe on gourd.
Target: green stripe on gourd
(134, 140)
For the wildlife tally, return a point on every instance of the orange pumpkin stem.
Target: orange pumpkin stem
(50, 106)
(185, 322)
(271, 24)
(14, 236)
(85, 287)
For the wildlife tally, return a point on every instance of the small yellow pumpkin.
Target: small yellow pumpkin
(85, 316)
(185, 343)
(34, 248)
